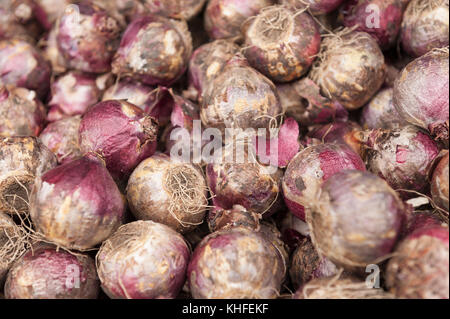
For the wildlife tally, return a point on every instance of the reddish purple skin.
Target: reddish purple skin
(288, 144)
(425, 224)
(53, 266)
(403, 175)
(421, 94)
(88, 176)
(130, 281)
(23, 65)
(358, 12)
(130, 36)
(331, 158)
(94, 52)
(343, 197)
(61, 100)
(117, 137)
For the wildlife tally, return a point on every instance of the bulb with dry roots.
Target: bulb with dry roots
(240, 97)
(154, 50)
(303, 101)
(356, 220)
(22, 65)
(380, 112)
(421, 93)
(168, 192)
(14, 241)
(223, 18)
(61, 137)
(380, 18)
(22, 160)
(350, 68)
(45, 272)
(439, 183)
(88, 36)
(77, 205)
(340, 288)
(281, 43)
(21, 112)
(72, 94)
(420, 267)
(177, 9)
(425, 26)
(348, 132)
(311, 167)
(143, 260)
(249, 184)
(307, 265)
(315, 7)
(404, 157)
(236, 263)
(121, 133)
(207, 62)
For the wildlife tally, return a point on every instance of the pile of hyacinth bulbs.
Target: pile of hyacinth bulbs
(351, 203)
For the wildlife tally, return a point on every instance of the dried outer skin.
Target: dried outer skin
(133, 92)
(143, 260)
(50, 51)
(176, 9)
(350, 68)
(303, 101)
(306, 264)
(357, 219)
(280, 43)
(61, 137)
(206, 63)
(223, 18)
(22, 159)
(248, 184)
(88, 40)
(421, 93)
(380, 112)
(240, 97)
(154, 50)
(9, 235)
(420, 268)
(339, 288)
(425, 26)
(380, 18)
(310, 168)
(236, 263)
(22, 65)
(404, 157)
(123, 10)
(157, 102)
(47, 273)
(121, 133)
(238, 216)
(316, 7)
(21, 113)
(152, 196)
(77, 205)
(439, 183)
(339, 132)
(72, 94)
